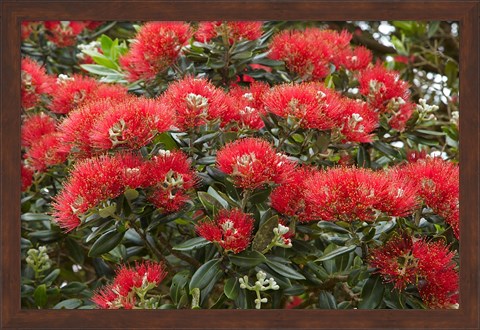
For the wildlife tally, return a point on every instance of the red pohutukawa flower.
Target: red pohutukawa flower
(27, 177)
(405, 261)
(64, 33)
(195, 101)
(253, 163)
(46, 152)
(35, 83)
(73, 92)
(311, 105)
(356, 121)
(289, 197)
(387, 93)
(234, 31)
(308, 53)
(130, 124)
(350, 194)
(93, 181)
(231, 229)
(171, 178)
(246, 106)
(76, 127)
(35, 127)
(353, 58)
(128, 282)
(155, 48)
(437, 185)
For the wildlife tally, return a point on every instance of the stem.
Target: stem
(246, 196)
(150, 247)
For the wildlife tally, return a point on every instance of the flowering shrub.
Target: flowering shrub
(172, 165)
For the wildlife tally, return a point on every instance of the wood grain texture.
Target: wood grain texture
(466, 12)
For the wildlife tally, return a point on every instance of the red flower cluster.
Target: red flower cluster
(173, 178)
(122, 293)
(353, 58)
(350, 194)
(155, 48)
(289, 197)
(428, 265)
(46, 152)
(64, 33)
(107, 124)
(246, 106)
(195, 102)
(231, 229)
(437, 185)
(78, 90)
(253, 163)
(97, 180)
(41, 142)
(387, 93)
(308, 53)
(131, 124)
(236, 30)
(310, 104)
(35, 127)
(27, 177)
(356, 121)
(35, 83)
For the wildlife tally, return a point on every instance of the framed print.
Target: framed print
(259, 164)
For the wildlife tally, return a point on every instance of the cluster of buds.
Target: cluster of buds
(38, 260)
(281, 238)
(262, 284)
(425, 110)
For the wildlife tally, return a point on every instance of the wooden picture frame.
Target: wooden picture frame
(13, 12)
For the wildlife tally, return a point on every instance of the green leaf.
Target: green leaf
(265, 234)
(131, 194)
(40, 295)
(336, 252)
(206, 138)
(231, 288)
(319, 271)
(105, 243)
(73, 287)
(386, 149)
(35, 217)
(260, 196)
(326, 300)
(51, 277)
(332, 227)
(399, 46)
(242, 55)
(168, 142)
(195, 298)
(75, 250)
(217, 196)
(99, 69)
(107, 211)
(284, 270)
(267, 62)
(372, 293)
(191, 244)
(68, 304)
(205, 274)
(106, 44)
(432, 28)
(247, 258)
(179, 281)
(209, 202)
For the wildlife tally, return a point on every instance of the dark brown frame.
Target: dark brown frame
(14, 11)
